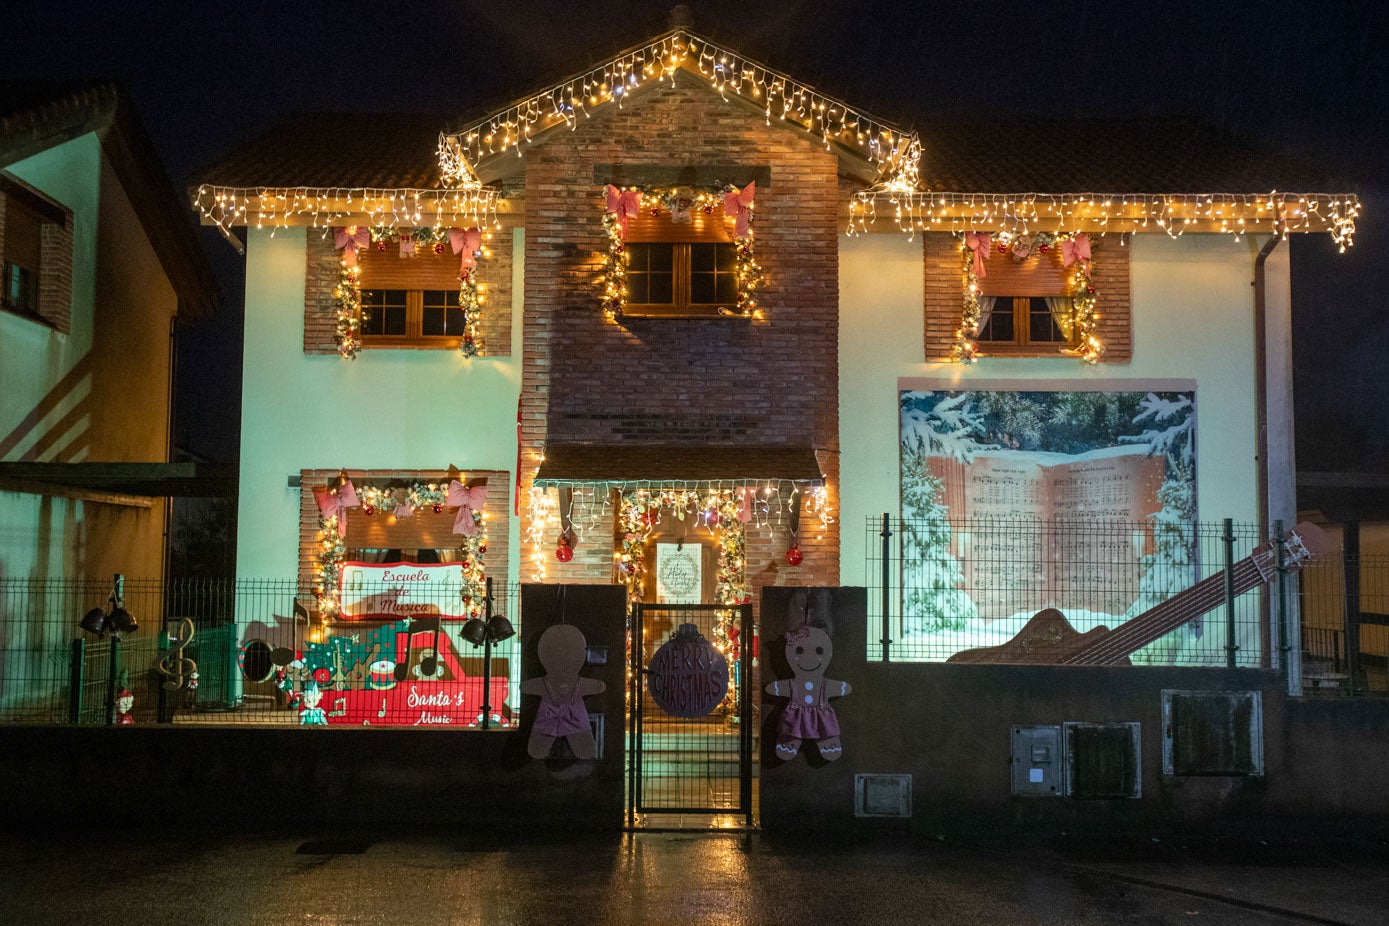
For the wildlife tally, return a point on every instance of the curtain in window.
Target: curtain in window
(986, 308)
(1060, 307)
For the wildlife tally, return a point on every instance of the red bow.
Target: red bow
(350, 240)
(467, 243)
(1074, 249)
(980, 244)
(624, 205)
(740, 204)
(333, 503)
(468, 502)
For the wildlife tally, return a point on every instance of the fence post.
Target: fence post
(1230, 646)
(487, 655)
(1283, 645)
(113, 670)
(75, 667)
(887, 582)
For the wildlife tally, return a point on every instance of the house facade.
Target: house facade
(99, 262)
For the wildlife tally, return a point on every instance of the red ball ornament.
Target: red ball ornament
(381, 246)
(708, 210)
(655, 211)
(1090, 290)
(564, 552)
(439, 248)
(794, 556)
(438, 508)
(368, 510)
(322, 676)
(1002, 247)
(482, 548)
(1044, 248)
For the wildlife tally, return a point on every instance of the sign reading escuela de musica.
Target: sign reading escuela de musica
(391, 591)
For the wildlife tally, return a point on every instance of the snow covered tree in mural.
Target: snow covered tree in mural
(932, 576)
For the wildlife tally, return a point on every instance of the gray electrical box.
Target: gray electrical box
(882, 795)
(1037, 762)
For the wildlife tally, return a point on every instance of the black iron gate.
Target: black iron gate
(690, 743)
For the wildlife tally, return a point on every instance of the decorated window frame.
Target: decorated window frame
(680, 205)
(1077, 321)
(468, 243)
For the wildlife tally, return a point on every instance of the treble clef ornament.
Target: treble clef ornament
(175, 666)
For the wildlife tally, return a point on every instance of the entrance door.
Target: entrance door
(689, 719)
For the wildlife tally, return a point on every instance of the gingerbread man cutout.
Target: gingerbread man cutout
(808, 714)
(563, 651)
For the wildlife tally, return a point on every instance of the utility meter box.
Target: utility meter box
(1036, 761)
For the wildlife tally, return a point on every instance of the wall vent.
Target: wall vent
(882, 795)
(1103, 760)
(1212, 733)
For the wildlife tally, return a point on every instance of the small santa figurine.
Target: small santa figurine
(124, 702)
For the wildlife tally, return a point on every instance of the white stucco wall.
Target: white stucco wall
(1192, 320)
(388, 409)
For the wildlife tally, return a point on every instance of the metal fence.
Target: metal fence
(1344, 608)
(262, 654)
(968, 590)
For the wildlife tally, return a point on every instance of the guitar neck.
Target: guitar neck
(1165, 617)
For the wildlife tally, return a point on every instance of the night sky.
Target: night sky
(1307, 78)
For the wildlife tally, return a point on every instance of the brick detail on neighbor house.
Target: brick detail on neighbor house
(321, 279)
(944, 287)
(426, 522)
(55, 268)
(685, 381)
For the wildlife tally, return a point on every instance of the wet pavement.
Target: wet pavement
(687, 877)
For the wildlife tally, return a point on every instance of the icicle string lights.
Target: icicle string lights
(282, 207)
(781, 98)
(1024, 213)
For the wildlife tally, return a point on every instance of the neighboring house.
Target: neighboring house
(99, 263)
(673, 380)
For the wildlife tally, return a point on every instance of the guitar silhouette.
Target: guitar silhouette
(1049, 639)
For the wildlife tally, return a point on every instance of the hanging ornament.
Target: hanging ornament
(794, 556)
(368, 510)
(564, 552)
(439, 248)
(438, 508)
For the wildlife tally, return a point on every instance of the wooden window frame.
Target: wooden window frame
(414, 324)
(716, 229)
(1022, 343)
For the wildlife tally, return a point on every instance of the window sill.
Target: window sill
(673, 311)
(26, 314)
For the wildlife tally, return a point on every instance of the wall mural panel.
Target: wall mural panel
(1016, 501)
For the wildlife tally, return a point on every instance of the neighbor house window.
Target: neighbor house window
(679, 269)
(35, 245)
(410, 301)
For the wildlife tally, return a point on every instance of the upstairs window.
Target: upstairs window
(681, 269)
(33, 229)
(410, 301)
(1025, 306)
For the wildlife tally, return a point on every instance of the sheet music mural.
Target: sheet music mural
(1016, 501)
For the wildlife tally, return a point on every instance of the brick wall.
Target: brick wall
(321, 278)
(428, 527)
(1109, 270)
(684, 381)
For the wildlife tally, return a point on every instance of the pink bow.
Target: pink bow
(1074, 249)
(980, 244)
(350, 240)
(468, 502)
(740, 204)
(745, 505)
(405, 510)
(333, 503)
(466, 243)
(624, 205)
(407, 246)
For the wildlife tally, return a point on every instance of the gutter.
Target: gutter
(1261, 378)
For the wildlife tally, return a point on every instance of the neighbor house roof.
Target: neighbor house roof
(38, 115)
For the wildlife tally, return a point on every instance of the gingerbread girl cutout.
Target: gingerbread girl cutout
(808, 714)
(562, 714)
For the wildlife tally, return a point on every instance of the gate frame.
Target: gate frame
(742, 698)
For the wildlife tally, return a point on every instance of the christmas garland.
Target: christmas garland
(716, 509)
(347, 295)
(1076, 253)
(680, 202)
(332, 551)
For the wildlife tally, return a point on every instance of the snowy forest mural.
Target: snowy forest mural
(1018, 500)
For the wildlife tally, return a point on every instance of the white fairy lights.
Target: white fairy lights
(320, 207)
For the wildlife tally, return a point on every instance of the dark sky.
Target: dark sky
(1306, 77)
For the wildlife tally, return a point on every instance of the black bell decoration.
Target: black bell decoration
(94, 622)
(475, 631)
(499, 628)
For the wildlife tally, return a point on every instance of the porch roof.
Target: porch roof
(664, 464)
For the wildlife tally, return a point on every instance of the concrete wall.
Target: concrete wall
(97, 394)
(386, 410)
(949, 727)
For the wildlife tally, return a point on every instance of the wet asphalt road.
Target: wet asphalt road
(672, 878)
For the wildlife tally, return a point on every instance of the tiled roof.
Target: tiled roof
(583, 463)
(32, 112)
(396, 151)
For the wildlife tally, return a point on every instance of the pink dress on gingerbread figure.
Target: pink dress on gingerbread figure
(808, 714)
(562, 714)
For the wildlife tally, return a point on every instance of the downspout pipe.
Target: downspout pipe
(1261, 413)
